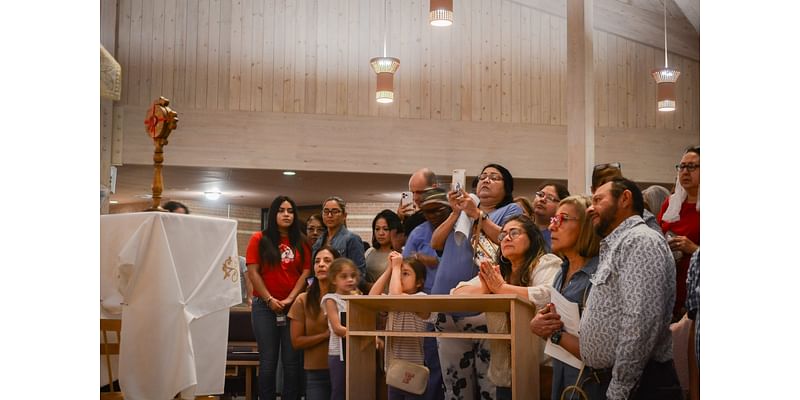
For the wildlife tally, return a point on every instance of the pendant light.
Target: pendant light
(385, 67)
(441, 12)
(666, 77)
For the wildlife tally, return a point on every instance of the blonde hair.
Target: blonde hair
(337, 266)
(588, 243)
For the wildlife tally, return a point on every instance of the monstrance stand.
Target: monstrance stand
(159, 123)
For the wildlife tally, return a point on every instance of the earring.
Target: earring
(504, 259)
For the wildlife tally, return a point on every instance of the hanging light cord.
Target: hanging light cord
(666, 64)
(385, 27)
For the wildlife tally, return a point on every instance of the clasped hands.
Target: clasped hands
(490, 276)
(546, 321)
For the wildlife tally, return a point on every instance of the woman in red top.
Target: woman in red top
(278, 263)
(680, 215)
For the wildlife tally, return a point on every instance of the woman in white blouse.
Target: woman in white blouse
(522, 267)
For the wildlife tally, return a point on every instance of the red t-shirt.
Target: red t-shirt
(689, 226)
(279, 279)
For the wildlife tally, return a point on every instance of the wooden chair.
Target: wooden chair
(242, 348)
(107, 349)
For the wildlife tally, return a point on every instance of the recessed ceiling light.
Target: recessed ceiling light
(114, 202)
(289, 173)
(212, 195)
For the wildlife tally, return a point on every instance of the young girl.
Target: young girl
(405, 277)
(344, 279)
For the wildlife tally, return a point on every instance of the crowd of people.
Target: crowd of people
(622, 254)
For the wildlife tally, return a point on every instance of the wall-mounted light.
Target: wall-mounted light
(441, 12)
(666, 77)
(289, 173)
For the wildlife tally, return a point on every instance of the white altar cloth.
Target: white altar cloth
(173, 278)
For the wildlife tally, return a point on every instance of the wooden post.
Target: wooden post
(580, 96)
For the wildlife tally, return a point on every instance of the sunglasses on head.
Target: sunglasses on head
(608, 165)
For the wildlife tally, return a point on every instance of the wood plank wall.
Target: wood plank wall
(500, 62)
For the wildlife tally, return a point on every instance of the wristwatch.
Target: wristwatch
(556, 336)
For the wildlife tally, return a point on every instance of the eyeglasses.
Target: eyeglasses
(688, 167)
(559, 219)
(547, 197)
(513, 233)
(331, 211)
(490, 177)
(608, 165)
(315, 230)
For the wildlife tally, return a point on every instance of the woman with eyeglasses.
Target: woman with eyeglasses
(465, 362)
(314, 228)
(576, 242)
(545, 202)
(278, 263)
(680, 221)
(347, 243)
(522, 266)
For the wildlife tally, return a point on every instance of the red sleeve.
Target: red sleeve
(252, 249)
(307, 261)
(661, 215)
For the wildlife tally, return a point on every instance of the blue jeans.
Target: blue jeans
(273, 339)
(318, 384)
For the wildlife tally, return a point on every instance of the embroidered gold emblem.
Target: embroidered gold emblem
(231, 269)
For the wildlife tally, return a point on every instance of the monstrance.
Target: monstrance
(159, 123)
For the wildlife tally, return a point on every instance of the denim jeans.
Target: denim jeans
(272, 341)
(318, 384)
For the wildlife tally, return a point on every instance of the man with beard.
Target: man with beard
(435, 207)
(625, 339)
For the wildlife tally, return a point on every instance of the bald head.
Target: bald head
(420, 180)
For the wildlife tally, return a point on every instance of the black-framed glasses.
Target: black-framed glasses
(559, 219)
(312, 229)
(689, 167)
(547, 197)
(608, 165)
(490, 177)
(513, 233)
(332, 211)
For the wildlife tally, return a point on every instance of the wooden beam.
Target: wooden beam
(308, 142)
(634, 23)
(580, 95)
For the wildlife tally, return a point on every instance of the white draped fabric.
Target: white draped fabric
(172, 278)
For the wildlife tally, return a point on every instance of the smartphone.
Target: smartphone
(405, 199)
(459, 180)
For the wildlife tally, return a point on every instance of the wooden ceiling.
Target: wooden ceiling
(313, 74)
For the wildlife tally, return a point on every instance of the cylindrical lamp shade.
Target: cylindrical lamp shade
(441, 12)
(666, 78)
(384, 91)
(385, 67)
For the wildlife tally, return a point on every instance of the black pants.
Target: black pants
(659, 381)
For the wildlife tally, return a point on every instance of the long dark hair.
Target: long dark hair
(313, 291)
(536, 250)
(508, 184)
(268, 247)
(392, 221)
